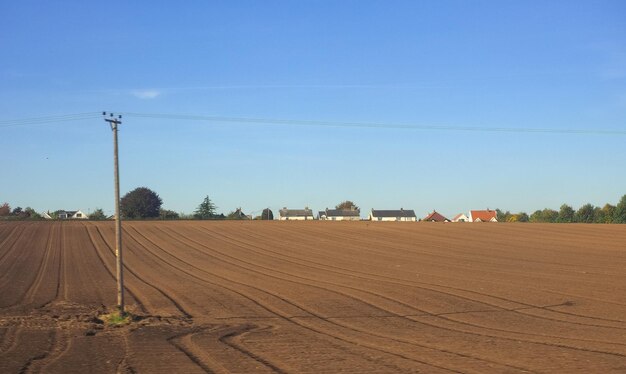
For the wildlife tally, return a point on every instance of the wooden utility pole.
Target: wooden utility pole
(114, 122)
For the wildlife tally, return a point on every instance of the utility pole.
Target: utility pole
(114, 122)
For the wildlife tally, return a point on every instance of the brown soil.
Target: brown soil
(314, 297)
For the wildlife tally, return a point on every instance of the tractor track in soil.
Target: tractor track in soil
(219, 297)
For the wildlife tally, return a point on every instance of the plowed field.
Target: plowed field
(315, 297)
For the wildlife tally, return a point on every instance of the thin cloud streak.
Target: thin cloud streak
(146, 94)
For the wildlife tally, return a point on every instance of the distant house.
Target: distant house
(483, 216)
(305, 214)
(71, 214)
(460, 218)
(392, 215)
(238, 214)
(435, 217)
(339, 215)
(46, 215)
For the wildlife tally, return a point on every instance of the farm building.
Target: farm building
(461, 217)
(483, 216)
(435, 217)
(339, 215)
(295, 214)
(392, 215)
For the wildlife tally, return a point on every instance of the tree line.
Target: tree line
(143, 203)
(566, 214)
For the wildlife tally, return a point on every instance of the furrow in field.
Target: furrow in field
(58, 347)
(18, 275)
(9, 340)
(101, 253)
(451, 323)
(42, 289)
(7, 241)
(370, 334)
(583, 349)
(487, 299)
(30, 345)
(130, 275)
(260, 301)
(231, 338)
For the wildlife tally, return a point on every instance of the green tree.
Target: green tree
(544, 216)
(267, 214)
(619, 215)
(168, 214)
(17, 211)
(32, 214)
(585, 214)
(606, 214)
(141, 202)
(97, 215)
(503, 216)
(519, 217)
(5, 210)
(566, 214)
(206, 209)
(598, 215)
(347, 205)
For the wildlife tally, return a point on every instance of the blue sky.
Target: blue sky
(505, 64)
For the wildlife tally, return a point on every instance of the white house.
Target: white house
(340, 215)
(460, 218)
(305, 214)
(68, 214)
(392, 215)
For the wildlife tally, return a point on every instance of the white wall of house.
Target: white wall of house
(79, 215)
(342, 218)
(461, 218)
(298, 218)
(391, 219)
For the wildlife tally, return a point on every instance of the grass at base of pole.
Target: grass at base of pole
(116, 319)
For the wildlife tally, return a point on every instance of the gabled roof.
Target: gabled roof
(459, 216)
(484, 215)
(342, 213)
(296, 212)
(435, 217)
(240, 214)
(394, 213)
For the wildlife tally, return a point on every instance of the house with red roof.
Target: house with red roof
(435, 217)
(483, 216)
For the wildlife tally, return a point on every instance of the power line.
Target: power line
(45, 120)
(308, 123)
(294, 122)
